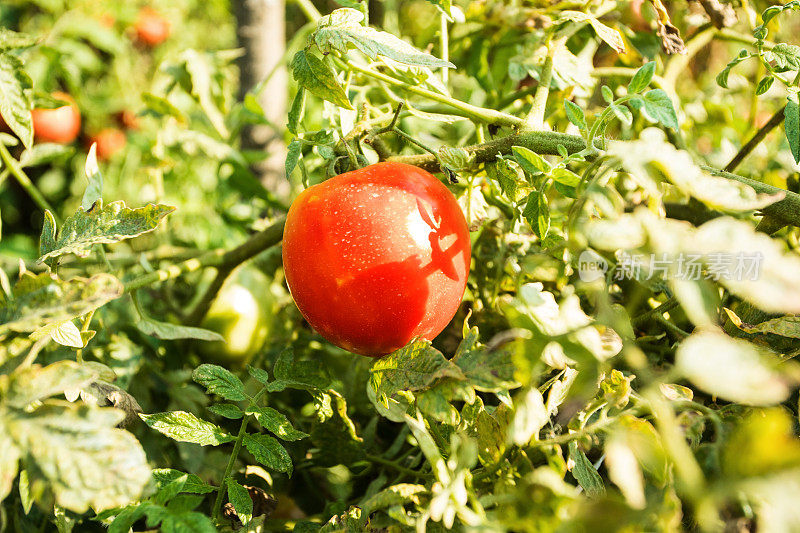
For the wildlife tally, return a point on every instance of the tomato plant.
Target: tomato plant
(376, 257)
(567, 234)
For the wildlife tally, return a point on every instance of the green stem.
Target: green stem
(667, 306)
(217, 258)
(755, 140)
(394, 466)
(535, 118)
(309, 10)
(479, 114)
(25, 182)
(444, 44)
(237, 447)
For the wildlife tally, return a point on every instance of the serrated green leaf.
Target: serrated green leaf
(537, 213)
(193, 483)
(507, 177)
(531, 162)
(585, 473)
(276, 423)
(15, 106)
(218, 380)
(297, 110)
(241, 501)
(47, 240)
(641, 80)
(78, 453)
(792, 124)
(565, 177)
(658, 106)
(304, 375)
(293, 152)
(109, 224)
(167, 331)
(12, 40)
(226, 410)
(486, 370)
(317, 77)
(764, 85)
(162, 106)
(575, 114)
(259, 374)
(269, 452)
(185, 427)
(343, 29)
(44, 298)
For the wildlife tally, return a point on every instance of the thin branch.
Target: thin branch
(754, 141)
(217, 258)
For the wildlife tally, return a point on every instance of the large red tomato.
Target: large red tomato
(376, 257)
(59, 125)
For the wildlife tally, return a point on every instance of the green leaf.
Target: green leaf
(530, 417)
(537, 213)
(167, 331)
(200, 69)
(304, 375)
(343, 29)
(185, 427)
(259, 374)
(414, 367)
(297, 110)
(334, 433)
(641, 80)
(75, 450)
(218, 380)
(193, 484)
(162, 106)
(293, 152)
(575, 114)
(565, 177)
(764, 85)
(659, 107)
(531, 162)
(733, 369)
(486, 370)
(276, 423)
(399, 494)
(44, 153)
(507, 176)
(187, 522)
(227, 410)
(15, 105)
(792, 125)
(585, 473)
(318, 78)
(9, 461)
(269, 452)
(607, 93)
(241, 501)
(105, 225)
(44, 298)
(12, 40)
(722, 77)
(47, 240)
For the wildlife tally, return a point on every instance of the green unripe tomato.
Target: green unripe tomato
(241, 313)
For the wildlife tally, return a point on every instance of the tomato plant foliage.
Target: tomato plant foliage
(624, 178)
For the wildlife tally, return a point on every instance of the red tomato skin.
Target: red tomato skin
(151, 27)
(376, 257)
(59, 125)
(109, 141)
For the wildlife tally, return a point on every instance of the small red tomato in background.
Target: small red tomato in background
(109, 141)
(58, 125)
(128, 120)
(376, 257)
(151, 27)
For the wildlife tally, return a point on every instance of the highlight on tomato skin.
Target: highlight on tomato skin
(376, 257)
(58, 125)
